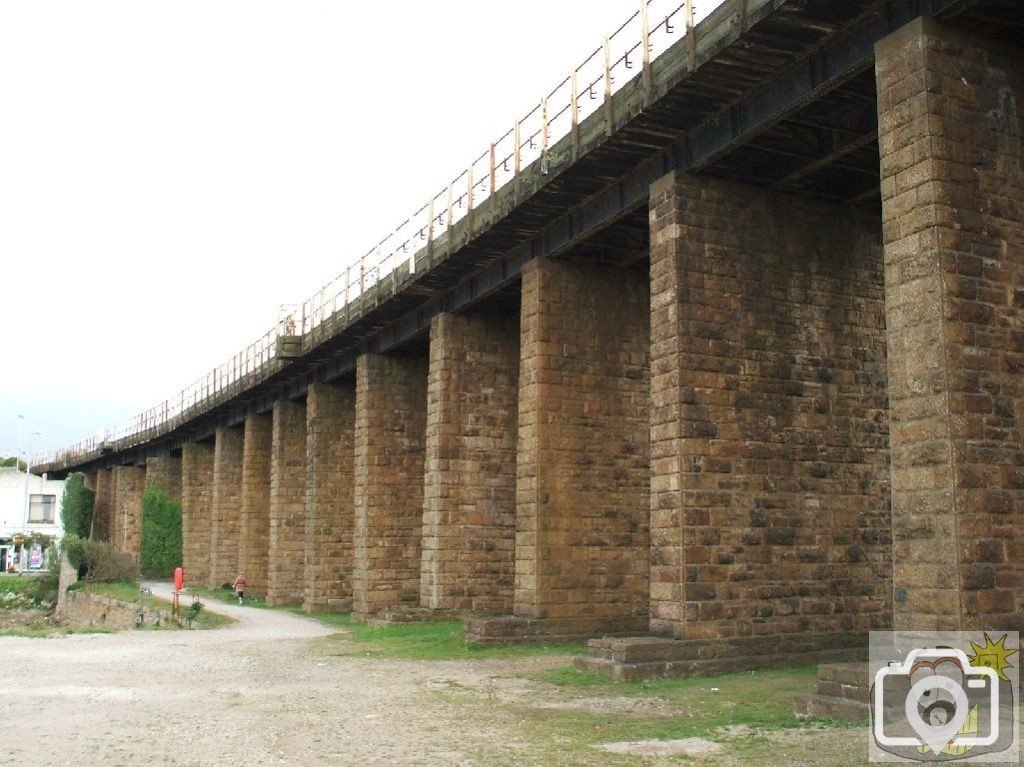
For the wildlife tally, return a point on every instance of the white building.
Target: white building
(27, 506)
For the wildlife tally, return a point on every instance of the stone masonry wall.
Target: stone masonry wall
(468, 560)
(582, 487)
(330, 499)
(769, 494)
(227, 506)
(164, 473)
(391, 418)
(129, 482)
(196, 509)
(950, 128)
(286, 570)
(254, 522)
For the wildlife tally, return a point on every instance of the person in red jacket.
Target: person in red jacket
(240, 584)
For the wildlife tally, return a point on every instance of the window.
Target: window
(42, 509)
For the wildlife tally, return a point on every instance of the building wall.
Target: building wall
(12, 502)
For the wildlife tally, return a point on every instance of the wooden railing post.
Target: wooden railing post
(609, 116)
(469, 201)
(494, 171)
(430, 238)
(645, 53)
(516, 157)
(574, 114)
(451, 214)
(544, 130)
(691, 38)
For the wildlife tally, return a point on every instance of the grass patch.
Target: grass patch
(122, 591)
(129, 592)
(206, 620)
(225, 596)
(748, 702)
(428, 641)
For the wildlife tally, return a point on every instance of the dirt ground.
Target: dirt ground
(273, 689)
(22, 619)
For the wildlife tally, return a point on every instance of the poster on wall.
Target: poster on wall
(35, 557)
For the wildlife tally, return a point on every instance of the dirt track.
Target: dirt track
(278, 689)
(269, 690)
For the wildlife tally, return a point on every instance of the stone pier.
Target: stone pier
(103, 505)
(330, 496)
(254, 522)
(129, 483)
(227, 506)
(390, 434)
(468, 560)
(287, 539)
(950, 131)
(196, 510)
(164, 473)
(582, 534)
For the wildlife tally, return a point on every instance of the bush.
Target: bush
(32, 592)
(160, 549)
(99, 561)
(76, 506)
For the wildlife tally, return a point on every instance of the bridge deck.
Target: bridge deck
(776, 93)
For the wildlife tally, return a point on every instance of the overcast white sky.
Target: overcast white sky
(172, 172)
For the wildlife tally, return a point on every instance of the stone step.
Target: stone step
(845, 673)
(628, 672)
(844, 680)
(402, 615)
(827, 706)
(831, 689)
(676, 666)
(640, 649)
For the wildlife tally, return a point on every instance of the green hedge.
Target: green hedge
(76, 506)
(161, 534)
(99, 560)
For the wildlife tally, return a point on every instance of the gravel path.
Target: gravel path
(272, 689)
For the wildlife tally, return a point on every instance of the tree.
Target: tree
(9, 462)
(160, 550)
(76, 506)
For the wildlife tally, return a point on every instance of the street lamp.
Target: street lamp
(25, 509)
(17, 456)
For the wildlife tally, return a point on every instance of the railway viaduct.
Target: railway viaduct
(718, 353)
